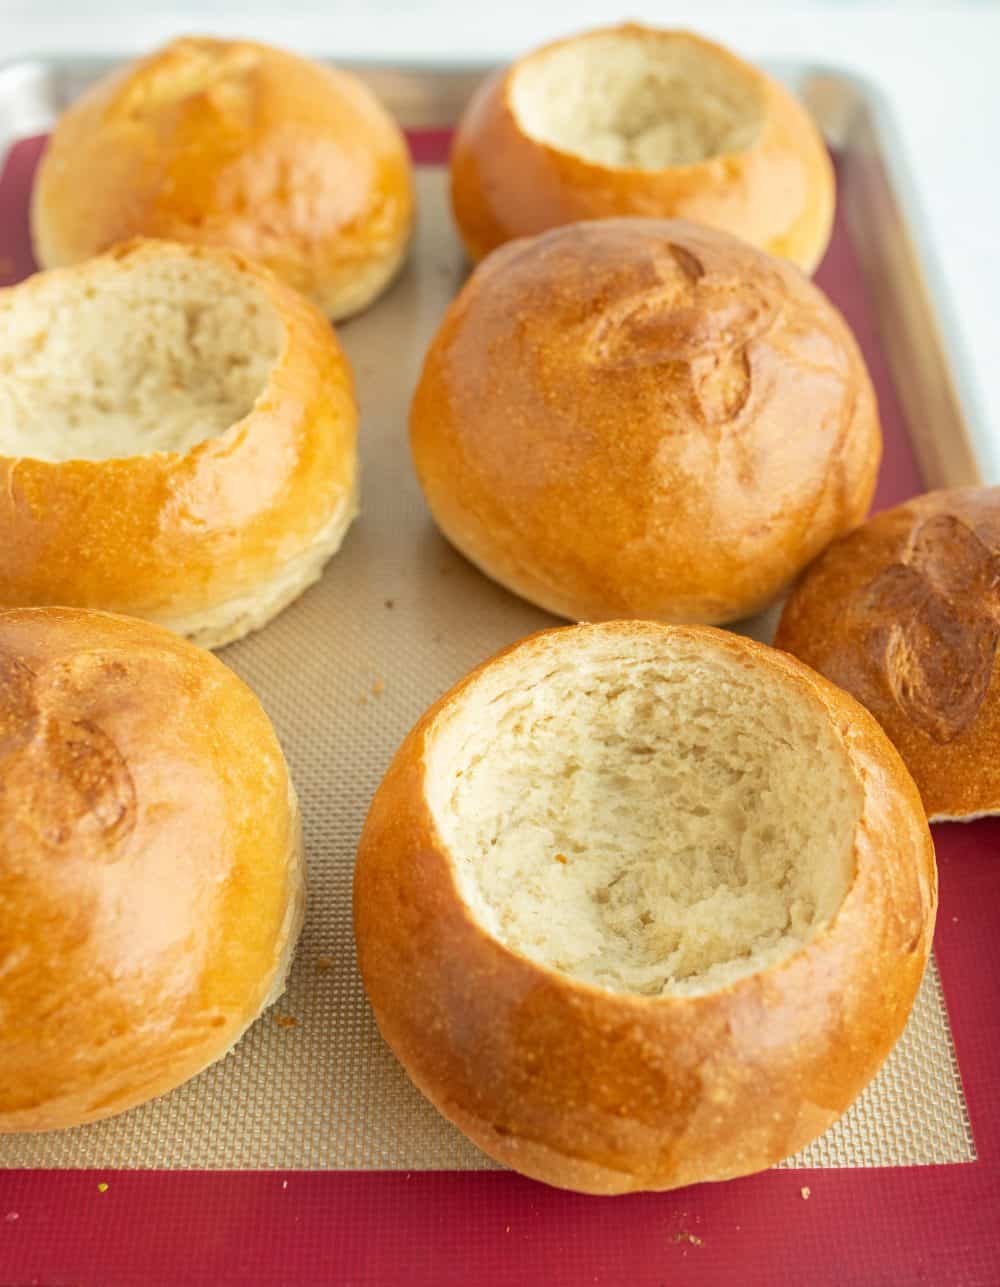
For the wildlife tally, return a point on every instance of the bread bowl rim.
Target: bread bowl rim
(811, 687)
(241, 266)
(641, 31)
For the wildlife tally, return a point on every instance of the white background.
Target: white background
(939, 66)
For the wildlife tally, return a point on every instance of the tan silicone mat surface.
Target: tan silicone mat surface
(344, 672)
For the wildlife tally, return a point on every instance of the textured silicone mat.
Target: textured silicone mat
(397, 618)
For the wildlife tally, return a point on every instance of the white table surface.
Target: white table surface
(938, 66)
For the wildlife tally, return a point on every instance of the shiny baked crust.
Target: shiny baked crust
(206, 534)
(232, 143)
(777, 193)
(646, 418)
(151, 874)
(905, 614)
(607, 1093)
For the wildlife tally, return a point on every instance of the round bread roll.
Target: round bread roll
(644, 418)
(905, 614)
(151, 872)
(639, 906)
(636, 121)
(230, 143)
(177, 440)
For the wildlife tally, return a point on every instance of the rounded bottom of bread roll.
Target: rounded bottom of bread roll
(353, 295)
(295, 915)
(226, 622)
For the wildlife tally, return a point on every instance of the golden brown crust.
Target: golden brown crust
(168, 534)
(149, 864)
(905, 614)
(643, 418)
(231, 143)
(607, 1093)
(777, 194)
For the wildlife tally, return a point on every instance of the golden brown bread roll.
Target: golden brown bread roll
(231, 143)
(151, 874)
(177, 440)
(638, 417)
(640, 906)
(905, 614)
(633, 120)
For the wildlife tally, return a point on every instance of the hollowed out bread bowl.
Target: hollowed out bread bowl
(177, 440)
(644, 418)
(638, 906)
(151, 872)
(633, 120)
(905, 614)
(232, 143)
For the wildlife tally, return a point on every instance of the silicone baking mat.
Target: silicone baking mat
(344, 672)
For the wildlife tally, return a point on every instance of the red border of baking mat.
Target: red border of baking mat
(934, 1224)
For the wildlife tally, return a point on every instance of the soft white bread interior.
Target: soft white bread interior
(639, 906)
(151, 865)
(651, 825)
(177, 439)
(640, 104)
(112, 364)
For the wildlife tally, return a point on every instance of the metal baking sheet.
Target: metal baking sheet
(397, 617)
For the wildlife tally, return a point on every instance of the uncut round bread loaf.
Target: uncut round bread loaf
(904, 613)
(232, 143)
(639, 906)
(151, 871)
(633, 120)
(643, 418)
(177, 440)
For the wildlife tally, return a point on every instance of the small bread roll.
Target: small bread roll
(231, 143)
(905, 614)
(151, 873)
(637, 121)
(639, 906)
(643, 418)
(177, 440)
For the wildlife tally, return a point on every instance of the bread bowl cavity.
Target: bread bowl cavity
(701, 927)
(136, 357)
(648, 823)
(640, 121)
(635, 99)
(178, 439)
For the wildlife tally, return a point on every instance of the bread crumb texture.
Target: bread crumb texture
(650, 820)
(129, 355)
(635, 99)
